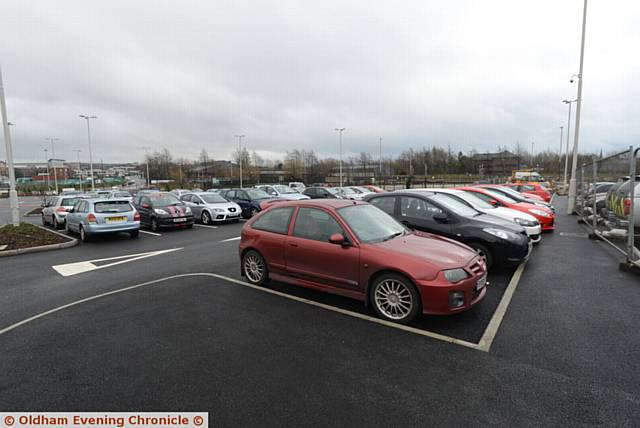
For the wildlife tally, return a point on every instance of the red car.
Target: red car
(545, 216)
(532, 189)
(356, 250)
(374, 189)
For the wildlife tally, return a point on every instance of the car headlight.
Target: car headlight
(455, 275)
(524, 222)
(159, 211)
(187, 210)
(503, 234)
(217, 210)
(540, 213)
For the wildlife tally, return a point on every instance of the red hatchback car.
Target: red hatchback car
(545, 216)
(356, 250)
(532, 189)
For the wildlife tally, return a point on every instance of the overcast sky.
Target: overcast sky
(189, 75)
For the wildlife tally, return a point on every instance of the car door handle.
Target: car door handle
(293, 244)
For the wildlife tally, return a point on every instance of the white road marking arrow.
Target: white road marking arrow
(87, 266)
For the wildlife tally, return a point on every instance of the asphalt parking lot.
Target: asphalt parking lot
(169, 328)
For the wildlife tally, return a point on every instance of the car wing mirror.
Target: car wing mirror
(337, 239)
(493, 202)
(441, 218)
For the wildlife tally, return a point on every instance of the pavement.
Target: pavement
(565, 353)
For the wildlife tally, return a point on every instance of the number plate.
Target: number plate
(116, 220)
(179, 220)
(481, 283)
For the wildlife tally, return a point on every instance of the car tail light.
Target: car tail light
(61, 209)
(92, 219)
(136, 216)
(627, 206)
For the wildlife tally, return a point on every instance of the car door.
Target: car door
(72, 216)
(420, 214)
(145, 209)
(310, 256)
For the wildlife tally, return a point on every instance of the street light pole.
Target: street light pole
(240, 137)
(566, 154)
(561, 141)
(46, 160)
(576, 135)
(380, 157)
(87, 118)
(13, 194)
(146, 158)
(79, 167)
(532, 143)
(53, 156)
(340, 130)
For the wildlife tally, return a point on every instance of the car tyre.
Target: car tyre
(84, 236)
(253, 212)
(154, 225)
(205, 218)
(255, 268)
(134, 234)
(66, 228)
(484, 252)
(395, 298)
(44, 220)
(54, 223)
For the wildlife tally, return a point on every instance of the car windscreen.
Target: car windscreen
(602, 188)
(453, 204)
(69, 202)
(474, 201)
(332, 190)
(163, 199)
(501, 196)
(122, 194)
(509, 191)
(213, 198)
(348, 190)
(113, 207)
(371, 224)
(284, 189)
(257, 194)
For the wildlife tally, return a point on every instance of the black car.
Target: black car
(248, 199)
(163, 209)
(322, 193)
(499, 241)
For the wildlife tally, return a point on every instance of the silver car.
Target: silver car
(211, 207)
(282, 191)
(55, 210)
(90, 217)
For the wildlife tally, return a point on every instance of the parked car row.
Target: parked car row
(404, 252)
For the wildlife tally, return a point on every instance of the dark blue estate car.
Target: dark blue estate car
(248, 199)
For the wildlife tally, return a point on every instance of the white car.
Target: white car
(55, 210)
(282, 191)
(297, 185)
(211, 207)
(527, 221)
(351, 193)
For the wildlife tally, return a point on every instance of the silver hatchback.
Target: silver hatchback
(92, 217)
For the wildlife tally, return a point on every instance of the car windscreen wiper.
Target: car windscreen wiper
(393, 236)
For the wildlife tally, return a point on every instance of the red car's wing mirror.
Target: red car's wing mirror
(337, 238)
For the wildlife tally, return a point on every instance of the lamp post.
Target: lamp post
(53, 156)
(566, 154)
(561, 141)
(146, 158)
(380, 157)
(576, 135)
(340, 130)
(46, 160)
(79, 167)
(532, 143)
(13, 194)
(88, 118)
(240, 137)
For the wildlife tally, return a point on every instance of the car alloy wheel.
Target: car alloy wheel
(54, 222)
(83, 235)
(484, 253)
(206, 218)
(255, 268)
(44, 221)
(395, 298)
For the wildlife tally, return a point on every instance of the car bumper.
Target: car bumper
(177, 222)
(547, 223)
(129, 226)
(225, 216)
(513, 252)
(436, 296)
(533, 233)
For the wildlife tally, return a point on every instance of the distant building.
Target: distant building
(496, 164)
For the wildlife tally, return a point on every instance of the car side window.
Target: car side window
(145, 200)
(385, 203)
(270, 190)
(185, 198)
(484, 197)
(275, 220)
(242, 195)
(312, 223)
(417, 208)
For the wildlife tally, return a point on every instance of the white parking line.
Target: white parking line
(206, 225)
(150, 233)
(230, 239)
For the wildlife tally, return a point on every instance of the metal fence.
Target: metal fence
(608, 201)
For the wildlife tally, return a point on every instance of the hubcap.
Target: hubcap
(393, 299)
(253, 268)
(82, 233)
(205, 218)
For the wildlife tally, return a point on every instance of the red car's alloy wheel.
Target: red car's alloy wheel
(255, 268)
(395, 298)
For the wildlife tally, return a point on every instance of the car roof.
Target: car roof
(406, 192)
(333, 203)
